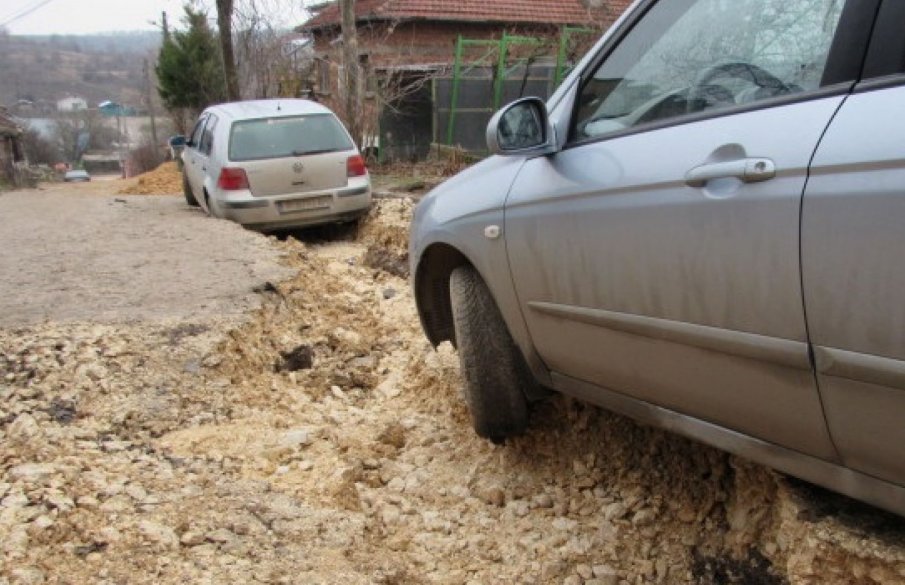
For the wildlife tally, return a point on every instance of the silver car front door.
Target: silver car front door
(853, 236)
(192, 161)
(657, 255)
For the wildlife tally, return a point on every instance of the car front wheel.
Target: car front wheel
(494, 371)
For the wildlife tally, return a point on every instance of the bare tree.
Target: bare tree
(225, 26)
(351, 69)
(271, 61)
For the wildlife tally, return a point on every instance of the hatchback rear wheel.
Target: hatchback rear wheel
(494, 371)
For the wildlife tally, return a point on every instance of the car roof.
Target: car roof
(253, 109)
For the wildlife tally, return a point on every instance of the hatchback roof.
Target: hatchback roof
(266, 108)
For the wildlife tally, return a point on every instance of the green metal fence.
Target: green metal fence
(497, 55)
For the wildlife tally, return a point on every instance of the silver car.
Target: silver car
(701, 229)
(76, 176)
(275, 164)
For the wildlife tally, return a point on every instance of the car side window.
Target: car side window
(196, 131)
(207, 136)
(690, 56)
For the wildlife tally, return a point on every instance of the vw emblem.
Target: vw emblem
(298, 167)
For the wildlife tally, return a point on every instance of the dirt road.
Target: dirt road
(70, 252)
(324, 441)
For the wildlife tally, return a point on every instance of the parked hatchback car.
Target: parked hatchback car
(275, 164)
(702, 229)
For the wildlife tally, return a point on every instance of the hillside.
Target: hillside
(44, 69)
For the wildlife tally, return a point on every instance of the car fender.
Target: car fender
(462, 220)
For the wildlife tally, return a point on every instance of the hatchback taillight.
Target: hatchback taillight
(232, 179)
(355, 166)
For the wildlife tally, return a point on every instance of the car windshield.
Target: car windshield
(286, 136)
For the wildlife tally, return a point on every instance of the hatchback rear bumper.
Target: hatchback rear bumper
(295, 210)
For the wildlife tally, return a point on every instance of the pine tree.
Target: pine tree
(189, 67)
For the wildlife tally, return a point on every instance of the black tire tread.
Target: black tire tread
(495, 373)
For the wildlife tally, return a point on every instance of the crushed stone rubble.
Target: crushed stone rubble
(166, 179)
(324, 441)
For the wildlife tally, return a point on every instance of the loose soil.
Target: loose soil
(322, 440)
(164, 180)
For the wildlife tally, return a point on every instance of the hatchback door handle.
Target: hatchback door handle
(748, 170)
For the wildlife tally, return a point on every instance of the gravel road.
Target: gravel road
(73, 252)
(321, 440)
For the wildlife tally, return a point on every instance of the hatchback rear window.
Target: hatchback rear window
(286, 136)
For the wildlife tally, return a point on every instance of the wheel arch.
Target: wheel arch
(432, 300)
(432, 291)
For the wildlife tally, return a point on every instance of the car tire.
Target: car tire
(211, 207)
(187, 191)
(493, 369)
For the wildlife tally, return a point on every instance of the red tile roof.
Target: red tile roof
(556, 12)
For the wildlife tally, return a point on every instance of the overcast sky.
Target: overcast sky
(65, 17)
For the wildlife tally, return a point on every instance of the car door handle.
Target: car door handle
(748, 170)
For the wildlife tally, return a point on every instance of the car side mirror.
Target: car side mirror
(178, 140)
(521, 128)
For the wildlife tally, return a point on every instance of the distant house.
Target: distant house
(72, 104)
(416, 39)
(10, 147)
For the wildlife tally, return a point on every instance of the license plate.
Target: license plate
(323, 202)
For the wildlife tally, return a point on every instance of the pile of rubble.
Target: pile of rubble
(164, 180)
(324, 441)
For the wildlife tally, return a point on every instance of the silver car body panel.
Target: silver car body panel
(612, 228)
(195, 166)
(792, 354)
(457, 214)
(853, 237)
(297, 175)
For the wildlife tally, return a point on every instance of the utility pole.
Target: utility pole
(351, 69)
(150, 100)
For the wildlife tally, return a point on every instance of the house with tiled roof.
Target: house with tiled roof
(414, 38)
(425, 31)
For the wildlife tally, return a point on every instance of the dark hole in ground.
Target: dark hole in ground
(383, 259)
(180, 332)
(320, 234)
(83, 550)
(266, 288)
(300, 358)
(753, 570)
(62, 411)
(862, 518)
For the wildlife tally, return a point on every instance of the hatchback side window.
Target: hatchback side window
(196, 131)
(689, 56)
(207, 137)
